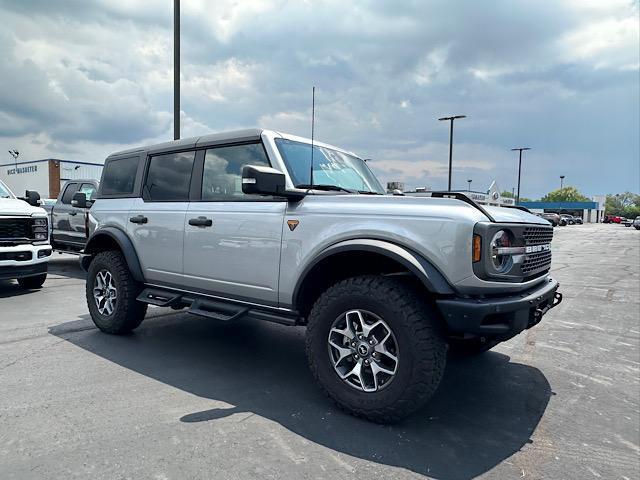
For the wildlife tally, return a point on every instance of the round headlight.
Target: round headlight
(501, 263)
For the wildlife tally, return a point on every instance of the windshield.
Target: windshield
(330, 167)
(5, 192)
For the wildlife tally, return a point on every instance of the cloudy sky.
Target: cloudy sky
(82, 78)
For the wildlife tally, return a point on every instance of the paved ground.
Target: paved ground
(186, 398)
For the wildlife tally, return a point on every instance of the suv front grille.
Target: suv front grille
(538, 235)
(536, 262)
(16, 229)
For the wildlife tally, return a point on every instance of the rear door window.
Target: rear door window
(119, 176)
(169, 177)
(88, 189)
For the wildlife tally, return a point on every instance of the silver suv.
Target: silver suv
(273, 227)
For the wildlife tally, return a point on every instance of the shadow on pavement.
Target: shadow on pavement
(485, 410)
(66, 266)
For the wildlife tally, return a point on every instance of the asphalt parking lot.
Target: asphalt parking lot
(184, 397)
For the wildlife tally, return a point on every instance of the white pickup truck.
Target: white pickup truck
(24, 239)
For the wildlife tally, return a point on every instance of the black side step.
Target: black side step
(224, 312)
(158, 297)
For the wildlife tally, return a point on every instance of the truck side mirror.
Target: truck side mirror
(79, 200)
(262, 180)
(32, 197)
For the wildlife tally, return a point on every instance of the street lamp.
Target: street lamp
(176, 69)
(451, 119)
(520, 149)
(469, 187)
(561, 181)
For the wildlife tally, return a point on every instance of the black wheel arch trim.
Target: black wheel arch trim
(429, 275)
(125, 245)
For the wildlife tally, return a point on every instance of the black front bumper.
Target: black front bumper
(22, 271)
(500, 317)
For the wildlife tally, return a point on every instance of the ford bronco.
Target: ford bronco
(266, 226)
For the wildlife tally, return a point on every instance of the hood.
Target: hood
(13, 206)
(513, 215)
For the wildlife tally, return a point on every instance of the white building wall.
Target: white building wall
(26, 176)
(75, 171)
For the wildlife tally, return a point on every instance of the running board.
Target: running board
(159, 298)
(223, 312)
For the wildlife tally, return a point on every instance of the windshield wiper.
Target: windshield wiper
(331, 188)
(369, 192)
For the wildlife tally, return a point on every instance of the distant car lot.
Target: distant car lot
(184, 397)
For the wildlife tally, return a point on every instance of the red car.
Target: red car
(611, 219)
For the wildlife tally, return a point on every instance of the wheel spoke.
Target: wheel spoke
(382, 349)
(342, 351)
(376, 368)
(366, 329)
(354, 315)
(345, 332)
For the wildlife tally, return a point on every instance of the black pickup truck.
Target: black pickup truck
(69, 216)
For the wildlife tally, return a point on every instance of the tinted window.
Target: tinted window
(222, 177)
(169, 177)
(88, 189)
(119, 176)
(69, 191)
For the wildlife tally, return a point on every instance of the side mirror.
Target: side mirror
(32, 197)
(79, 200)
(262, 180)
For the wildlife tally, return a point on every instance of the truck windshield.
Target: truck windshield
(330, 168)
(5, 192)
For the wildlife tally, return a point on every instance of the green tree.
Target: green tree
(625, 204)
(566, 194)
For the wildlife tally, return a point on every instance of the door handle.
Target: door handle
(201, 222)
(139, 219)
(73, 213)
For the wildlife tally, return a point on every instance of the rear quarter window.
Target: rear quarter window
(119, 176)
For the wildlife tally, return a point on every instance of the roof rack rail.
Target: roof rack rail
(462, 197)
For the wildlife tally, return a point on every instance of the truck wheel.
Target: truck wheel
(375, 347)
(111, 294)
(471, 347)
(32, 283)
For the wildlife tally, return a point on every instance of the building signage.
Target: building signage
(19, 170)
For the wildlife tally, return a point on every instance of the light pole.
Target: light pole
(469, 187)
(451, 119)
(176, 69)
(520, 149)
(561, 181)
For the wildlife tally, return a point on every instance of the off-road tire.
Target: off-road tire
(128, 312)
(32, 283)
(421, 346)
(470, 347)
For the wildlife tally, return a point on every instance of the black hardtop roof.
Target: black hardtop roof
(246, 135)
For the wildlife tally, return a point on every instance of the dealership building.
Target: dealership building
(46, 176)
(589, 212)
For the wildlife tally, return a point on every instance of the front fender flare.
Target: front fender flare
(429, 275)
(123, 242)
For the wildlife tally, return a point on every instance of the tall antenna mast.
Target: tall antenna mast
(313, 125)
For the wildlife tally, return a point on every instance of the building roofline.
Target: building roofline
(75, 162)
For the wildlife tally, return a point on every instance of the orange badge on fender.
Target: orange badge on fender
(292, 224)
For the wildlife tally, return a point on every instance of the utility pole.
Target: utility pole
(520, 149)
(176, 69)
(469, 187)
(451, 119)
(561, 181)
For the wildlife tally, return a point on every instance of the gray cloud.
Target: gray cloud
(98, 73)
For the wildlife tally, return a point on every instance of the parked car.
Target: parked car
(569, 219)
(24, 239)
(251, 224)
(627, 222)
(69, 218)
(636, 223)
(612, 219)
(553, 218)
